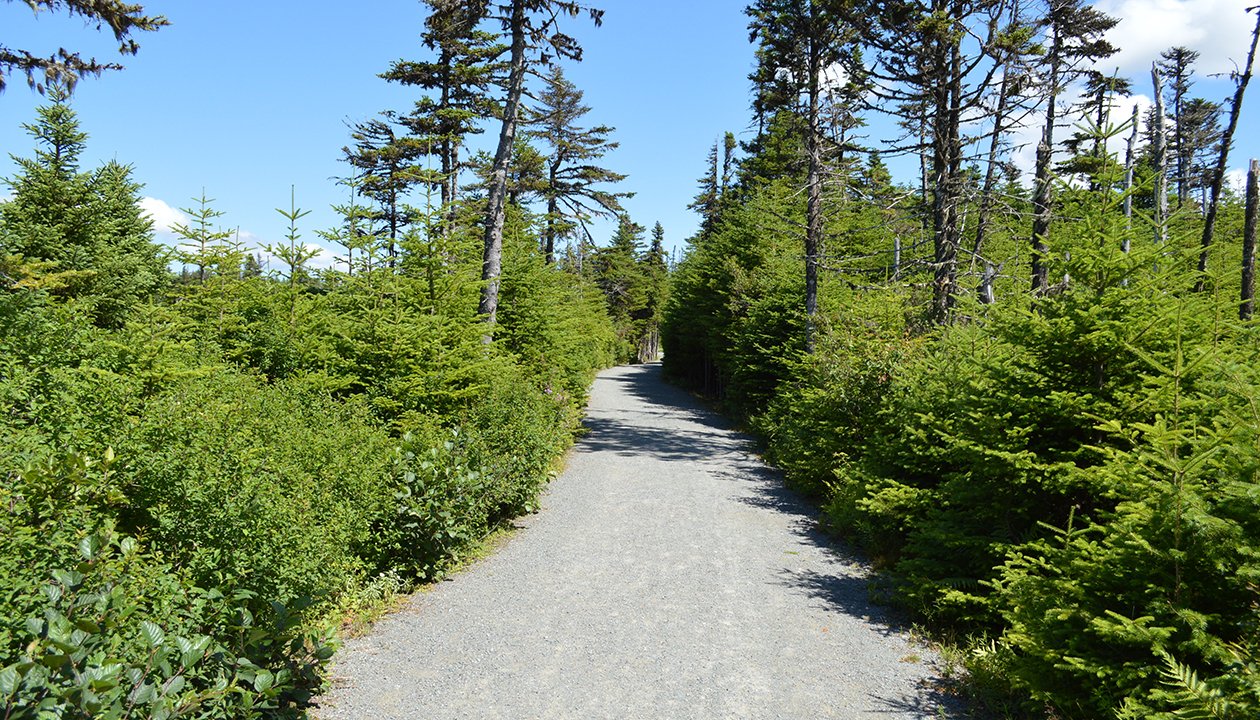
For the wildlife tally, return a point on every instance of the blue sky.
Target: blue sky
(245, 99)
(248, 98)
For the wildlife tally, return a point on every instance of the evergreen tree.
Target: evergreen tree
(572, 188)
(355, 233)
(66, 67)
(1014, 48)
(935, 62)
(729, 146)
(87, 228)
(203, 241)
(388, 166)
(459, 81)
(706, 202)
(535, 40)
(48, 216)
(294, 254)
(655, 273)
(128, 266)
(1089, 156)
(798, 42)
(616, 269)
(1201, 134)
(1216, 176)
(619, 272)
(1176, 65)
(1073, 40)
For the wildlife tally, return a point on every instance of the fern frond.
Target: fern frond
(1197, 699)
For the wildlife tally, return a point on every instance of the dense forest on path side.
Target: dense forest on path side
(208, 467)
(1029, 393)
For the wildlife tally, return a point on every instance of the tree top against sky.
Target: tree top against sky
(66, 66)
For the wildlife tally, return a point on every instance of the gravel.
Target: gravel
(667, 575)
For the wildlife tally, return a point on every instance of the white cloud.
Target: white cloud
(1122, 113)
(834, 78)
(323, 257)
(164, 216)
(1236, 180)
(1023, 136)
(1218, 29)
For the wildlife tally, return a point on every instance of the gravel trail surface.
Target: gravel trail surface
(668, 575)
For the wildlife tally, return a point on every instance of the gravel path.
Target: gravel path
(668, 575)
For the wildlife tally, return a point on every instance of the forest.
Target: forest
(1029, 395)
(210, 470)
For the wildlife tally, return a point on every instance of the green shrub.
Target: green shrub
(98, 626)
(258, 487)
(441, 508)
(1172, 571)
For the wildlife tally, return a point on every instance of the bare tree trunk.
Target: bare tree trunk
(1218, 175)
(492, 256)
(1041, 200)
(448, 150)
(946, 164)
(990, 174)
(1247, 307)
(1160, 149)
(986, 284)
(814, 210)
(1129, 158)
(553, 207)
(925, 220)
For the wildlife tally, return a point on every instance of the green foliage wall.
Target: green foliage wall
(203, 475)
(1064, 484)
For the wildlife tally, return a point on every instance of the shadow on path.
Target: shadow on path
(679, 426)
(690, 432)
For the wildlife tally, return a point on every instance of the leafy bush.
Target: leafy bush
(263, 487)
(98, 626)
(286, 452)
(441, 508)
(1171, 571)
(818, 423)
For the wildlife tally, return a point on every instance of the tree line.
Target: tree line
(1026, 392)
(217, 454)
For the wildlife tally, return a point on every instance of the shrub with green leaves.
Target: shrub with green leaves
(260, 487)
(286, 451)
(440, 507)
(97, 625)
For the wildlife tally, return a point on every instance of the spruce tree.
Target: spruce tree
(655, 273)
(1074, 39)
(573, 181)
(618, 273)
(705, 203)
(798, 41)
(203, 239)
(65, 67)
(1176, 65)
(1089, 156)
(85, 227)
(1012, 52)
(388, 166)
(1201, 133)
(1216, 175)
(935, 63)
(459, 81)
(535, 40)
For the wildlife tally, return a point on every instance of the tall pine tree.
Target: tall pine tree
(573, 188)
